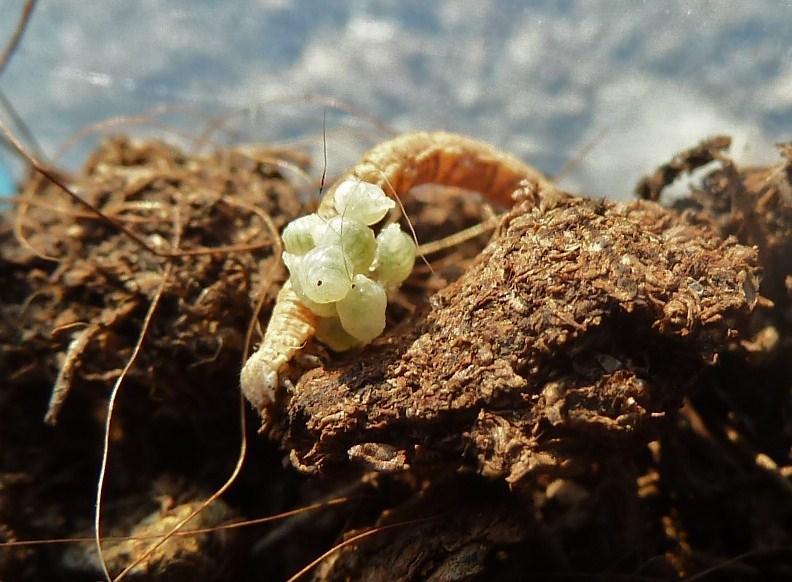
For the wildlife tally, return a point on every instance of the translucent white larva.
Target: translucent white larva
(354, 238)
(362, 311)
(362, 201)
(325, 274)
(295, 265)
(298, 236)
(395, 256)
(331, 333)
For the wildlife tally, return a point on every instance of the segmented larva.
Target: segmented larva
(290, 326)
(438, 157)
(397, 165)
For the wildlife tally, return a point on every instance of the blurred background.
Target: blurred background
(540, 79)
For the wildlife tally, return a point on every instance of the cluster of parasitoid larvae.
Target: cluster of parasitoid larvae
(340, 271)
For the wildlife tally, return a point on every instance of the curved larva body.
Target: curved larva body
(438, 157)
(290, 326)
(396, 166)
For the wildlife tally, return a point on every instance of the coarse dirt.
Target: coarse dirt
(599, 389)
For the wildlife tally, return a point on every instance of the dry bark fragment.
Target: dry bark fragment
(755, 205)
(578, 329)
(651, 187)
(722, 466)
(454, 530)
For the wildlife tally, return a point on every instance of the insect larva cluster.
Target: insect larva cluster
(340, 270)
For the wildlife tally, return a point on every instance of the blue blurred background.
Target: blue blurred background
(541, 79)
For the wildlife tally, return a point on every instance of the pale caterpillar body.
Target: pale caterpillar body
(291, 323)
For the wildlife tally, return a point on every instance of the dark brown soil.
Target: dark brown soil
(603, 392)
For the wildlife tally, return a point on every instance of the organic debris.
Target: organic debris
(74, 290)
(603, 391)
(579, 328)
